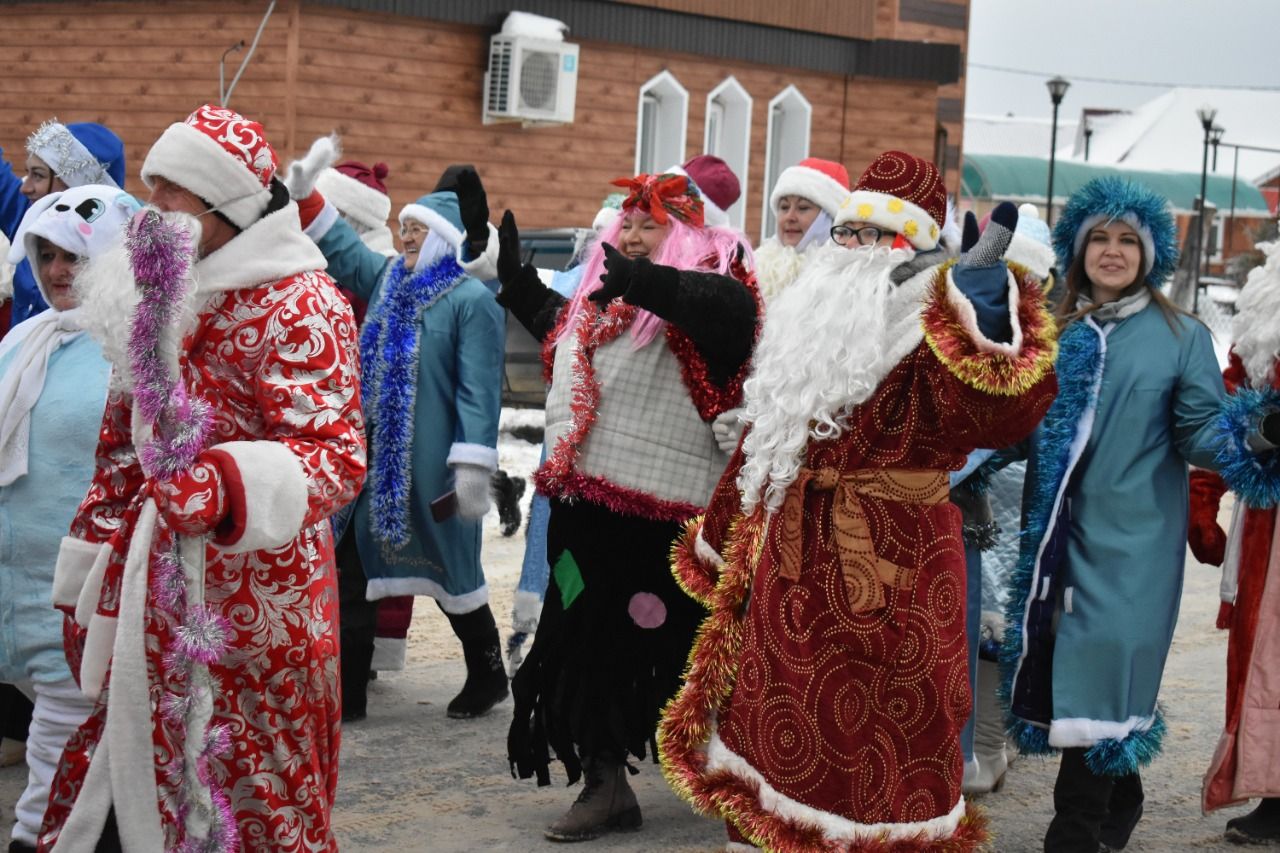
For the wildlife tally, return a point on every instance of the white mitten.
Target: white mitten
(727, 430)
(471, 482)
(301, 176)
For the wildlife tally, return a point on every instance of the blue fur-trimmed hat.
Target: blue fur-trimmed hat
(1115, 199)
(439, 212)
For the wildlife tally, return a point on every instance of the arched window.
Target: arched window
(728, 136)
(662, 121)
(786, 143)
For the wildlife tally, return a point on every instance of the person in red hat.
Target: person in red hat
(198, 578)
(649, 349)
(804, 202)
(826, 691)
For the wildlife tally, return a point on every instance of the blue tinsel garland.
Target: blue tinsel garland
(1079, 362)
(1254, 477)
(389, 356)
(1112, 757)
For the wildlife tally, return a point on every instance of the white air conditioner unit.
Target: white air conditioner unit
(530, 80)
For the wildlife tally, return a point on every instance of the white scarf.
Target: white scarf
(23, 381)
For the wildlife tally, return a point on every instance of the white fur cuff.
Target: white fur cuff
(473, 454)
(99, 644)
(323, 222)
(86, 603)
(76, 560)
(485, 266)
(266, 492)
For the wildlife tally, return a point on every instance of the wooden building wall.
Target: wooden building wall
(407, 91)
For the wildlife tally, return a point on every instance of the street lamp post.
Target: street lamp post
(1215, 136)
(1206, 114)
(1088, 132)
(1057, 89)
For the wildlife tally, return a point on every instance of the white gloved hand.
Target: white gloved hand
(471, 482)
(301, 175)
(727, 429)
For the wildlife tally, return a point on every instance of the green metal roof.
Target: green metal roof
(1006, 177)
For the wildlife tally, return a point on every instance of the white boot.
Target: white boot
(988, 735)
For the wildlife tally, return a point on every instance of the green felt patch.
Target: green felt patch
(568, 578)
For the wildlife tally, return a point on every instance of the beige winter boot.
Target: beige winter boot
(988, 734)
(12, 752)
(606, 803)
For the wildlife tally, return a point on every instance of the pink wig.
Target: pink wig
(684, 247)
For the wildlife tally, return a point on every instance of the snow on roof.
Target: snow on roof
(1165, 133)
(1016, 135)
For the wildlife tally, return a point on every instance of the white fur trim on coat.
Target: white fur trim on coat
(271, 249)
(485, 265)
(76, 559)
(99, 642)
(834, 827)
(193, 161)
(969, 318)
(896, 214)
(379, 588)
(266, 493)
(354, 199)
(1075, 732)
(86, 603)
(461, 453)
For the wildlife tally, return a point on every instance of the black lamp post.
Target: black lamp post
(1057, 89)
(1088, 132)
(1215, 136)
(1206, 114)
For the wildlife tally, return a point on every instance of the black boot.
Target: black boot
(507, 492)
(486, 683)
(1123, 812)
(1080, 801)
(357, 619)
(1260, 826)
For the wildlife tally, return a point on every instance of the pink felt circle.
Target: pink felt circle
(647, 610)
(85, 228)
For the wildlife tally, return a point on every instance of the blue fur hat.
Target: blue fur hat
(1113, 199)
(439, 212)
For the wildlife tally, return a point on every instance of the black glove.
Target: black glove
(508, 249)
(473, 207)
(1270, 428)
(969, 238)
(616, 277)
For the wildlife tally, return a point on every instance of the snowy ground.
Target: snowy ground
(413, 780)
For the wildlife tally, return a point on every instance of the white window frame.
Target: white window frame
(796, 114)
(732, 103)
(672, 114)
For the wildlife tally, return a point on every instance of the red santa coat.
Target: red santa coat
(274, 352)
(828, 687)
(1244, 762)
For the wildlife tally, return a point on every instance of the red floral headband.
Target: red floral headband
(664, 195)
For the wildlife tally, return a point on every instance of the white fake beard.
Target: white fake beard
(109, 298)
(819, 356)
(1257, 322)
(777, 265)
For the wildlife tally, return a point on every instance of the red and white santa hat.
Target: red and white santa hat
(901, 193)
(718, 184)
(358, 191)
(823, 182)
(222, 157)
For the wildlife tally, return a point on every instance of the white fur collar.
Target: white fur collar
(270, 249)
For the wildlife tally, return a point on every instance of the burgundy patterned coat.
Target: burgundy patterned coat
(274, 351)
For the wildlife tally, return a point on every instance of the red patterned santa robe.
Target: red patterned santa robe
(278, 362)
(828, 687)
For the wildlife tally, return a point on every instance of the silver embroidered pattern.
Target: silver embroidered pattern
(66, 156)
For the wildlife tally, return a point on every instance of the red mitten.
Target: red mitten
(195, 501)
(309, 208)
(1206, 538)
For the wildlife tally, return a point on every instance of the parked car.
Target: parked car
(523, 386)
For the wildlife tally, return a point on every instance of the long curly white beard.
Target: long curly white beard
(1257, 323)
(109, 299)
(822, 352)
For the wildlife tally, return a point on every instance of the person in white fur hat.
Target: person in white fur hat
(360, 195)
(804, 203)
(198, 580)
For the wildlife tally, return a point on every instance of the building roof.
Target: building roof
(1165, 134)
(1012, 178)
(1017, 135)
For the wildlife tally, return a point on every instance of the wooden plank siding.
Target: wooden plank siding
(407, 91)
(848, 19)
(945, 21)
